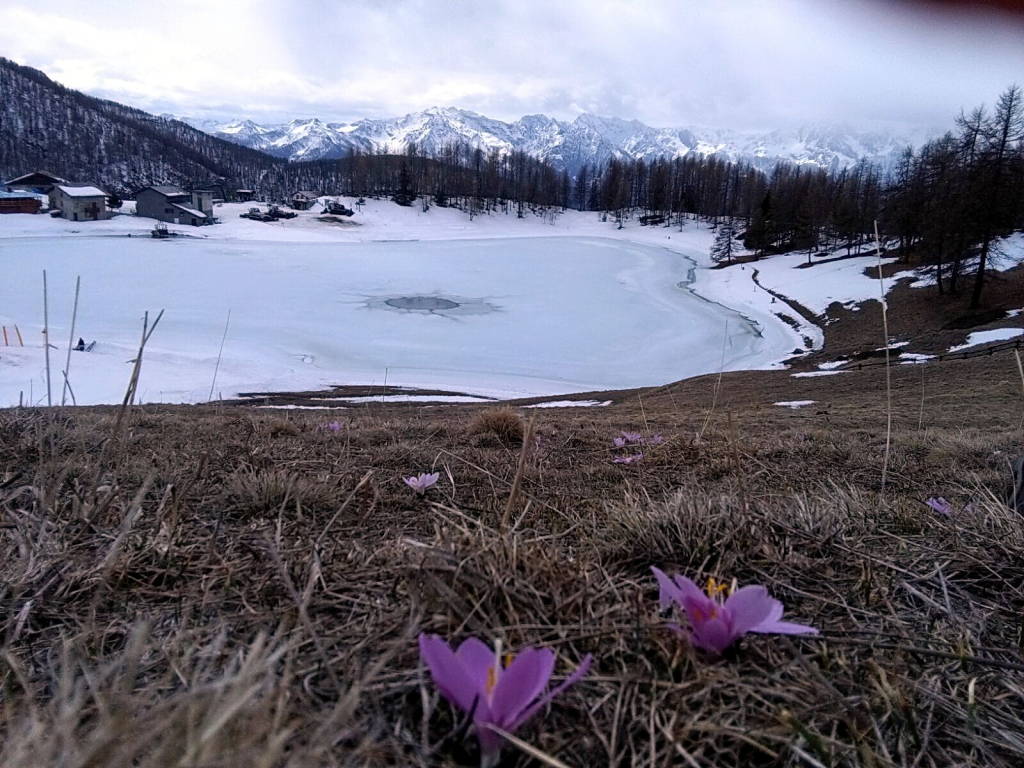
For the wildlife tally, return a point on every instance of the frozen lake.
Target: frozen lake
(501, 317)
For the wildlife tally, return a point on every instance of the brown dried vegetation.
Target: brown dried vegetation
(231, 587)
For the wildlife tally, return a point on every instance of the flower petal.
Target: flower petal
(784, 628)
(572, 679)
(520, 684)
(713, 635)
(749, 607)
(476, 657)
(690, 591)
(449, 675)
(668, 591)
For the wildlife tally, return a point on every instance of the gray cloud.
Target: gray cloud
(735, 63)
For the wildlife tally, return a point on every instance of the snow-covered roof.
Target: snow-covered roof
(168, 190)
(17, 195)
(81, 191)
(190, 211)
(306, 193)
(25, 176)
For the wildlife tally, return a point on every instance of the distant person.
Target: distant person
(80, 346)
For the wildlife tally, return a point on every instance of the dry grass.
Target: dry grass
(233, 587)
(503, 423)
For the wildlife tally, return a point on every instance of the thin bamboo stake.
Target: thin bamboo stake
(1020, 368)
(220, 353)
(5, 337)
(71, 343)
(46, 340)
(21, 341)
(920, 415)
(888, 365)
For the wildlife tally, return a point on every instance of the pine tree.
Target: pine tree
(724, 248)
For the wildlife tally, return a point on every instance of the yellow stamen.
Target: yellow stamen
(715, 588)
(508, 659)
(492, 680)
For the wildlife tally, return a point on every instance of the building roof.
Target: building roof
(306, 193)
(81, 191)
(167, 190)
(189, 211)
(17, 195)
(50, 176)
(245, 190)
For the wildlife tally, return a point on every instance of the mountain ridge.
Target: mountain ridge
(566, 144)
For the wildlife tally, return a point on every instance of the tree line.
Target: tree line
(944, 206)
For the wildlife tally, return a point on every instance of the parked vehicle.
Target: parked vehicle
(336, 208)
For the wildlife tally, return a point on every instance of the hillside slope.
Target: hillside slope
(44, 125)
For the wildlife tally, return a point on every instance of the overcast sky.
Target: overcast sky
(724, 63)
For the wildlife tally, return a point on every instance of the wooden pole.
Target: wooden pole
(21, 342)
(71, 344)
(5, 337)
(46, 340)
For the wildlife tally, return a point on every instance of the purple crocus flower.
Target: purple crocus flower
(331, 426)
(421, 482)
(940, 505)
(498, 692)
(715, 624)
(630, 459)
(635, 438)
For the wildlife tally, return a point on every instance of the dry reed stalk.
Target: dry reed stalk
(1020, 370)
(524, 453)
(718, 385)
(71, 344)
(46, 338)
(220, 353)
(888, 364)
(133, 382)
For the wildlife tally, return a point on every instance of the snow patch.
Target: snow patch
(571, 404)
(410, 399)
(987, 337)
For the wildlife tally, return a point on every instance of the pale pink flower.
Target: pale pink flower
(940, 505)
(630, 459)
(420, 483)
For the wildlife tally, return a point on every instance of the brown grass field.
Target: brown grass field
(228, 586)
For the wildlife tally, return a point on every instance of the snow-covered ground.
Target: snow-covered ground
(986, 337)
(550, 305)
(1007, 253)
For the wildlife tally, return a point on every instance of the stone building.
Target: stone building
(84, 203)
(174, 205)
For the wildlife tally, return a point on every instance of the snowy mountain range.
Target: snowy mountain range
(564, 144)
